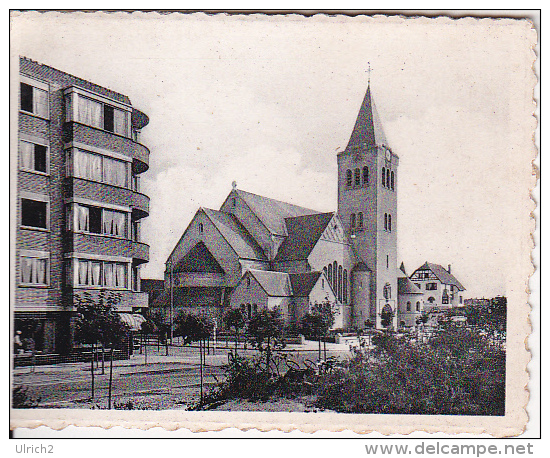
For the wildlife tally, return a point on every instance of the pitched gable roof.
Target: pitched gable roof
(273, 283)
(198, 259)
(368, 128)
(303, 234)
(303, 283)
(271, 212)
(406, 286)
(442, 274)
(236, 235)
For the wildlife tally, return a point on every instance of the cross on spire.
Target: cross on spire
(368, 72)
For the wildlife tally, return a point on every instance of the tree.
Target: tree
(157, 317)
(265, 332)
(97, 321)
(194, 329)
(234, 318)
(386, 317)
(489, 317)
(147, 328)
(318, 321)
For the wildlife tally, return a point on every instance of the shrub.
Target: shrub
(457, 372)
(20, 399)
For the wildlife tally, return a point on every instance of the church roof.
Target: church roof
(442, 274)
(303, 283)
(198, 259)
(236, 235)
(273, 212)
(406, 286)
(274, 283)
(303, 234)
(368, 128)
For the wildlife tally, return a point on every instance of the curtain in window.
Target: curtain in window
(27, 155)
(108, 273)
(87, 165)
(82, 218)
(89, 112)
(114, 223)
(95, 273)
(40, 102)
(120, 275)
(114, 172)
(119, 122)
(83, 272)
(33, 270)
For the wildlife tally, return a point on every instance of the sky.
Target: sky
(268, 102)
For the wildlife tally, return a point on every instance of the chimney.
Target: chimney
(449, 269)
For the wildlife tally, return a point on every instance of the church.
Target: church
(256, 252)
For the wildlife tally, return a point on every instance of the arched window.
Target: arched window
(325, 271)
(388, 178)
(335, 277)
(360, 219)
(357, 177)
(201, 228)
(340, 283)
(385, 221)
(249, 307)
(352, 220)
(365, 176)
(330, 273)
(254, 308)
(392, 181)
(418, 306)
(431, 299)
(345, 286)
(248, 281)
(349, 178)
(384, 176)
(408, 306)
(389, 222)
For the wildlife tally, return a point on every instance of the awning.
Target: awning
(133, 320)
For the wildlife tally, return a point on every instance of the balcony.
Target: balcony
(129, 300)
(104, 245)
(76, 132)
(101, 192)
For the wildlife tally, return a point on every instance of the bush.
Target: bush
(20, 399)
(457, 372)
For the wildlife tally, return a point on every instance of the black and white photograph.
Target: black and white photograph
(226, 219)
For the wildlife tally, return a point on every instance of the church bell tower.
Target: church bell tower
(367, 206)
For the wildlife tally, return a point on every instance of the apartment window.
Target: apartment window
(33, 157)
(349, 178)
(102, 273)
(99, 220)
(100, 168)
(34, 269)
(102, 116)
(34, 213)
(34, 100)
(431, 286)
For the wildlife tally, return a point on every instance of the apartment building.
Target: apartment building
(79, 205)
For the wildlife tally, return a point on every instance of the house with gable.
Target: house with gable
(440, 288)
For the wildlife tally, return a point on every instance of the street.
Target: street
(165, 382)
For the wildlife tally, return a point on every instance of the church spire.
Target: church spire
(368, 128)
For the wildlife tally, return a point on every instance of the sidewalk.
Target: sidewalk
(177, 359)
